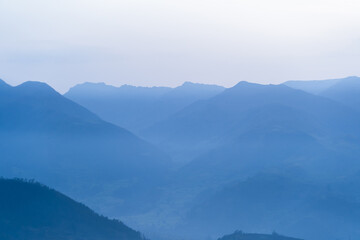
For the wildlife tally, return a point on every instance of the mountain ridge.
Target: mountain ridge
(136, 108)
(46, 136)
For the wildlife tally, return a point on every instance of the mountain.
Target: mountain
(252, 108)
(31, 211)
(312, 86)
(255, 157)
(45, 136)
(244, 131)
(239, 235)
(136, 108)
(345, 90)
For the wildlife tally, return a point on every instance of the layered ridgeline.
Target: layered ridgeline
(250, 130)
(136, 108)
(344, 90)
(259, 158)
(246, 117)
(239, 235)
(31, 211)
(45, 136)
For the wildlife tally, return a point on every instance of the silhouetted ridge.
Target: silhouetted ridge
(136, 108)
(31, 211)
(192, 85)
(246, 83)
(33, 87)
(248, 88)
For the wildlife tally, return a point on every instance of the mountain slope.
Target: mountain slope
(31, 211)
(345, 90)
(138, 107)
(246, 107)
(238, 235)
(45, 136)
(248, 129)
(312, 86)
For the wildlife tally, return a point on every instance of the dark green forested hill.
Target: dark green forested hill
(31, 211)
(238, 235)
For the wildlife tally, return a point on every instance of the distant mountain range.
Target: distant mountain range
(250, 113)
(255, 157)
(136, 108)
(251, 129)
(45, 136)
(31, 211)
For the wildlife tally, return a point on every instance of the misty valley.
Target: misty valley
(193, 162)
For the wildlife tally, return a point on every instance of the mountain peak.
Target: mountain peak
(187, 83)
(249, 87)
(35, 87)
(246, 83)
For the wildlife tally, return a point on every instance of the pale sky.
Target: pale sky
(167, 42)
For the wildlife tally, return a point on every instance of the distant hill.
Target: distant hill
(48, 137)
(345, 90)
(31, 211)
(238, 235)
(136, 108)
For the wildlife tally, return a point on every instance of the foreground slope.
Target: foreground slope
(136, 108)
(45, 136)
(31, 211)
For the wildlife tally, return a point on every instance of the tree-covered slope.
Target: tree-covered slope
(31, 211)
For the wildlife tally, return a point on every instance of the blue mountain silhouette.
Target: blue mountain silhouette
(136, 108)
(45, 136)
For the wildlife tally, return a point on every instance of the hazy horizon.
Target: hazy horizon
(165, 43)
(62, 91)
